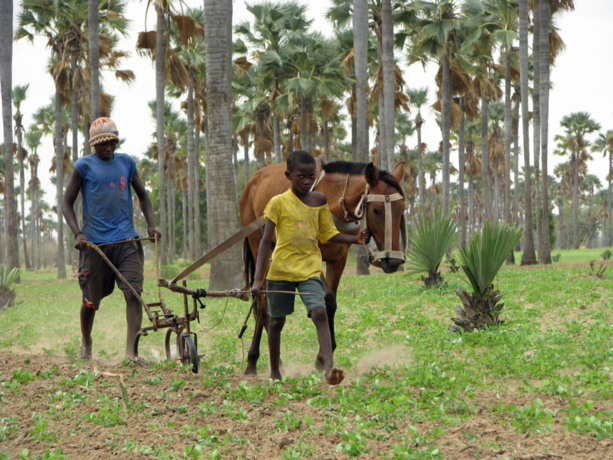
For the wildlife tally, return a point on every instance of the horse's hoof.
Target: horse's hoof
(251, 371)
(336, 376)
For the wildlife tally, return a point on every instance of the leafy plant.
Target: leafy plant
(556, 257)
(7, 279)
(606, 255)
(432, 239)
(481, 260)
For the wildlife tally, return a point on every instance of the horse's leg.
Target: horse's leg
(261, 321)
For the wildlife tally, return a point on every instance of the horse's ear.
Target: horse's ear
(398, 172)
(372, 175)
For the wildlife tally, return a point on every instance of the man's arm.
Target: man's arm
(145, 205)
(70, 196)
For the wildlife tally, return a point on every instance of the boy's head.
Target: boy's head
(103, 130)
(299, 157)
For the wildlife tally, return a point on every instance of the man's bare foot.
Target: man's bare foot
(336, 376)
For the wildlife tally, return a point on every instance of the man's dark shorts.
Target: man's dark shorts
(97, 279)
(280, 304)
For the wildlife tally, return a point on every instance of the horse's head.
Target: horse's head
(383, 205)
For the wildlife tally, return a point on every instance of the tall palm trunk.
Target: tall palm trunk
(74, 128)
(610, 203)
(544, 253)
(575, 166)
(507, 137)
(11, 224)
(446, 127)
(196, 199)
(223, 208)
(190, 175)
(485, 167)
(461, 164)
(536, 115)
(159, 98)
(59, 184)
(528, 256)
(389, 90)
(562, 242)
(22, 189)
(94, 56)
(360, 44)
(420, 163)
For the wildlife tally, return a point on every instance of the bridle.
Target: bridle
(361, 213)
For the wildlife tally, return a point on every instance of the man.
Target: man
(104, 179)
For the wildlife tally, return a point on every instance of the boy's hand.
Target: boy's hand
(256, 289)
(364, 236)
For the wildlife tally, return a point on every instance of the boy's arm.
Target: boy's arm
(145, 205)
(263, 249)
(361, 238)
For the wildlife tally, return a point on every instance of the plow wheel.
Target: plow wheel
(187, 347)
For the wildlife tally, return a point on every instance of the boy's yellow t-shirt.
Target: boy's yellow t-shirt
(298, 228)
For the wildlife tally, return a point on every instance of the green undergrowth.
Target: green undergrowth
(410, 383)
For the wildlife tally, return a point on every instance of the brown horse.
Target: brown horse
(354, 191)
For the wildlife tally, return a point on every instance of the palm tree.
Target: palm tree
(6, 66)
(94, 57)
(33, 137)
(604, 144)
(272, 23)
(419, 97)
(19, 95)
(577, 126)
(223, 208)
(528, 255)
(437, 37)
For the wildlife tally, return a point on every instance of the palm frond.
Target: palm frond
(484, 255)
(430, 241)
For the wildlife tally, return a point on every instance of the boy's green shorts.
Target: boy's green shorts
(280, 305)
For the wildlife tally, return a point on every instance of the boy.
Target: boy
(105, 180)
(300, 217)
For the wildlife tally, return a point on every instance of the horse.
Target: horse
(354, 191)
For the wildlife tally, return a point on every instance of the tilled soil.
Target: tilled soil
(99, 410)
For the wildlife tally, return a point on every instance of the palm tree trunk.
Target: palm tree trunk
(6, 83)
(420, 165)
(59, 184)
(159, 99)
(196, 199)
(471, 208)
(22, 190)
(389, 90)
(191, 185)
(461, 164)
(185, 222)
(94, 56)
(223, 220)
(536, 118)
(246, 157)
(74, 129)
(360, 43)
(562, 242)
(507, 137)
(575, 166)
(544, 253)
(446, 127)
(276, 138)
(485, 168)
(610, 205)
(528, 256)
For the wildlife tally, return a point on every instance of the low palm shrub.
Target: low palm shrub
(432, 238)
(480, 261)
(7, 279)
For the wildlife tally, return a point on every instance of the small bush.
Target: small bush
(556, 257)
(7, 279)
(606, 255)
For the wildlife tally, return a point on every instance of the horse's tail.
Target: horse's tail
(249, 262)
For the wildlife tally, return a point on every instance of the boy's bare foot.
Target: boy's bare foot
(336, 376)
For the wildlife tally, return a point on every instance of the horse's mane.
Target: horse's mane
(348, 167)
